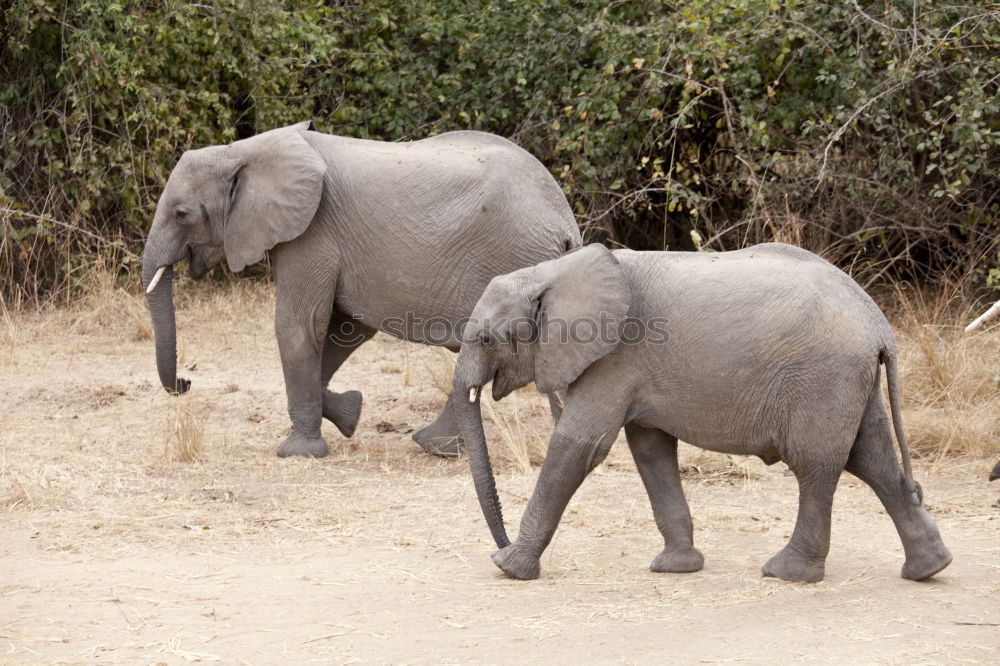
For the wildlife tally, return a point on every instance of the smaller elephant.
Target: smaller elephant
(767, 351)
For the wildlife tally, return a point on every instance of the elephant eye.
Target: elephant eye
(182, 215)
(486, 339)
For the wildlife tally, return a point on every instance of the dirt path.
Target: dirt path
(112, 551)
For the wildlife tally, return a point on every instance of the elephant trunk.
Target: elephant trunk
(161, 308)
(465, 397)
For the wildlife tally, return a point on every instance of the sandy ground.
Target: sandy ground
(114, 551)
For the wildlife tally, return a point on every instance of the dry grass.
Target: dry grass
(520, 423)
(8, 332)
(516, 422)
(184, 433)
(109, 301)
(710, 465)
(950, 380)
(441, 369)
(13, 492)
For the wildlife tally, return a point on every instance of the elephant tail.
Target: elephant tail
(888, 357)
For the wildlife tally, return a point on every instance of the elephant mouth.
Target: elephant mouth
(197, 269)
(501, 388)
(198, 264)
(476, 391)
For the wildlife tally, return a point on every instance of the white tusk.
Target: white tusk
(983, 317)
(474, 393)
(156, 279)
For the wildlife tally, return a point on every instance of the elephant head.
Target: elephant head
(547, 324)
(230, 202)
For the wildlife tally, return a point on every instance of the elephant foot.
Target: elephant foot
(678, 560)
(928, 562)
(440, 438)
(299, 445)
(790, 566)
(517, 563)
(343, 410)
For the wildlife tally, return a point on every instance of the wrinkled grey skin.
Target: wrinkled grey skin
(359, 232)
(770, 351)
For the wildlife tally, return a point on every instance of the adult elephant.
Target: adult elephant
(364, 236)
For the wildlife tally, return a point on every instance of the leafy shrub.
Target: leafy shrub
(869, 133)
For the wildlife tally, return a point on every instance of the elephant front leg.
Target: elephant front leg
(655, 454)
(301, 317)
(300, 364)
(573, 453)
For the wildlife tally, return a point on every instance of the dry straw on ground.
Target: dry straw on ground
(515, 433)
(8, 333)
(515, 422)
(107, 300)
(184, 433)
(950, 379)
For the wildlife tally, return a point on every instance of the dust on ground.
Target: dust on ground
(113, 550)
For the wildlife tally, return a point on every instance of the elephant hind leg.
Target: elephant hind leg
(873, 460)
(816, 453)
(442, 437)
(803, 559)
(655, 454)
(343, 410)
(344, 335)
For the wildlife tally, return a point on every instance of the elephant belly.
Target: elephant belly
(714, 423)
(406, 313)
(439, 328)
(424, 296)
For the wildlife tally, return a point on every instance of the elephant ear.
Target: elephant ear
(274, 192)
(582, 300)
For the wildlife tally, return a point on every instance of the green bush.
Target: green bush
(869, 133)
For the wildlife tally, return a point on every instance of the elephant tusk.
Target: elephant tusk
(474, 393)
(983, 318)
(156, 279)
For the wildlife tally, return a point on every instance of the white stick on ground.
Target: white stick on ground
(983, 317)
